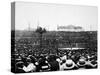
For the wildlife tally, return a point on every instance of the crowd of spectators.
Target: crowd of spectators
(29, 56)
(69, 60)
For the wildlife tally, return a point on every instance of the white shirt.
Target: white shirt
(30, 67)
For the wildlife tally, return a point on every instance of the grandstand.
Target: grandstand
(59, 39)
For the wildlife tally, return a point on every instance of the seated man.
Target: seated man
(29, 66)
(94, 64)
(81, 63)
(19, 67)
(33, 59)
(54, 65)
(91, 63)
(42, 64)
(68, 64)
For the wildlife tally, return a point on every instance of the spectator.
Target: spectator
(29, 67)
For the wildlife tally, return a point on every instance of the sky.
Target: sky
(50, 16)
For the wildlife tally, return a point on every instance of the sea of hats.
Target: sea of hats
(43, 63)
(27, 56)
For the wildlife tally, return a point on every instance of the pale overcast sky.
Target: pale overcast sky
(51, 15)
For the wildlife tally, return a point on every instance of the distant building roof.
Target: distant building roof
(69, 28)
